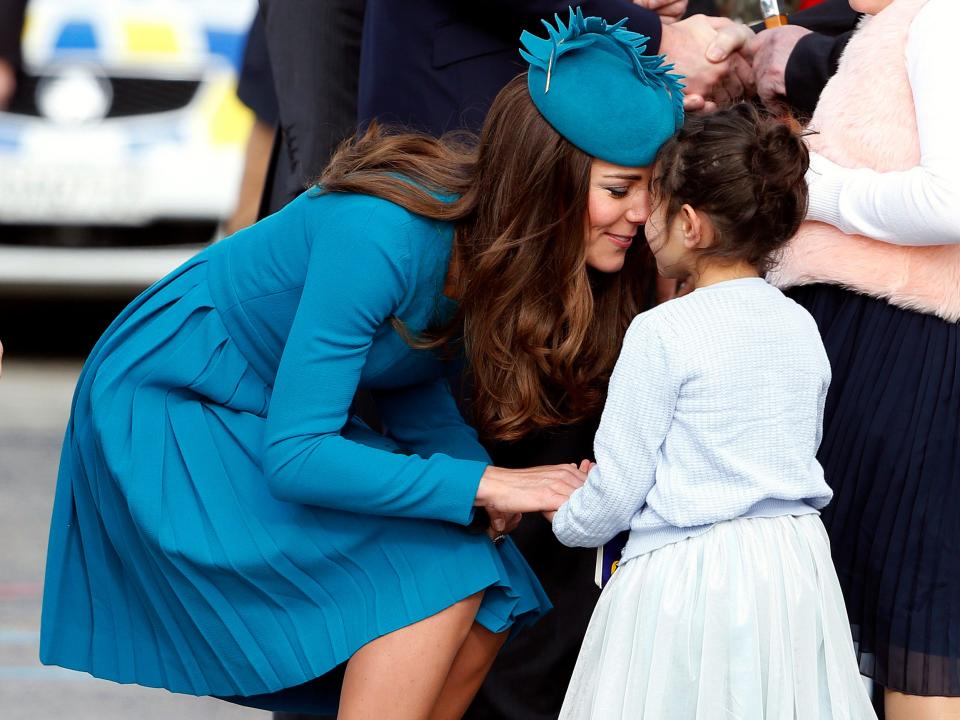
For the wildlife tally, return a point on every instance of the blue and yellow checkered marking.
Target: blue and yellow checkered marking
(152, 40)
(146, 38)
(76, 35)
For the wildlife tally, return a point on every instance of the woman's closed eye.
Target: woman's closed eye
(618, 192)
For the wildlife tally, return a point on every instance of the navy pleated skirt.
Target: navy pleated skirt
(891, 452)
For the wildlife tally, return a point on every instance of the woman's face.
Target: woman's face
(871, 7)
(617, 205)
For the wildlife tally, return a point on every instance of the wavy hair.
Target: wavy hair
(540, 330)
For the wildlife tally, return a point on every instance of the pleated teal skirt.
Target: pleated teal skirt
(171, 565)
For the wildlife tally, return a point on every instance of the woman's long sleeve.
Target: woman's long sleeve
(353, 286)
(424, 419)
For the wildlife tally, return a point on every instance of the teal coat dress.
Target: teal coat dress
(222, 524)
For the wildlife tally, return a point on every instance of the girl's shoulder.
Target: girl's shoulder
(722, 308)
(654, 327)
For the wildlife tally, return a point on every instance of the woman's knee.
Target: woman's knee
(900, 706)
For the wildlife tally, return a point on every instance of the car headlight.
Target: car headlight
(75, 95)
(229, 119)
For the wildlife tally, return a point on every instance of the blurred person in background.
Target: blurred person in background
(255, 90)
(792, 63)
(877, 264)
(702, 7)
(313, 50)
(11, 60)
(435, 65)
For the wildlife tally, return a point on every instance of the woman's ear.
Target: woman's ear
(696, 228)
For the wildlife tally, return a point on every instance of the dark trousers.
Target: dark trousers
(314, 51)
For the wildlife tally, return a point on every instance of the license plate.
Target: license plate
(58, 194)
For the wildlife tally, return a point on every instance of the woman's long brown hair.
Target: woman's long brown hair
(541, 331)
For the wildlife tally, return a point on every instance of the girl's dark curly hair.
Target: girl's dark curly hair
(745, 170)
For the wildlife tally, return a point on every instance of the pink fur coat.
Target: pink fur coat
(866, 118)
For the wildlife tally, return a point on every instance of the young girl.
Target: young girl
(726, 604)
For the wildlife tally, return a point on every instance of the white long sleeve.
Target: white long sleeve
(920, 206)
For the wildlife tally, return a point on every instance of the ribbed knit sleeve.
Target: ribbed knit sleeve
(641, 399)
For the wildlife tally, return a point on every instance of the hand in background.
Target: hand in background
(670, 11)
(8, 83)
(730, 42)
(721, 78)
(768, 52)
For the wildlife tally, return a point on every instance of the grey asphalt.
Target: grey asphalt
(34, 404)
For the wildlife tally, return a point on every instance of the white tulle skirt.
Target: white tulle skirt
(745, 622)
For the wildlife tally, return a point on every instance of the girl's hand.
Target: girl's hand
(506, 492)
(585, 467)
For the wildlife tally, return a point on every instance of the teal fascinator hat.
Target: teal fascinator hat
(593, 84)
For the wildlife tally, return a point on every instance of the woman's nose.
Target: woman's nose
(639, 211)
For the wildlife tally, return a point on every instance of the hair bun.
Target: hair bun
(746, 170)
(778, 158)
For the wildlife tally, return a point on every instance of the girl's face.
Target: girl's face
(666, 242)
(617, 205)
(871, 7)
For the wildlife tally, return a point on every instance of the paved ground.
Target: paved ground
(34, 404)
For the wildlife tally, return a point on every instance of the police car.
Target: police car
(123, 146)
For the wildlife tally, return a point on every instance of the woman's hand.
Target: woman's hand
(502, 524)
(504, 492)
(585, 467)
